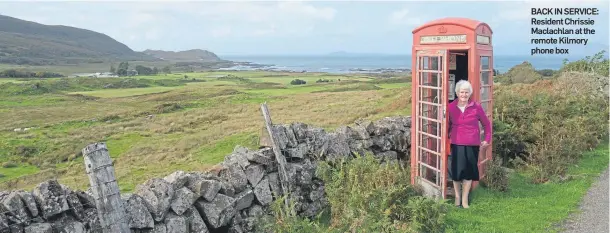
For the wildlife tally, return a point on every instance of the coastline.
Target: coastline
(363, 63)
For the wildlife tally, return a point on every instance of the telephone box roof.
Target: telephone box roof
(464, 22)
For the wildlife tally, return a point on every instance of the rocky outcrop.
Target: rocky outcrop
(228, 199)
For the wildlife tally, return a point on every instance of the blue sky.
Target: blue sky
(295, 27)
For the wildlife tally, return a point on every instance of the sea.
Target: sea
(365, 63)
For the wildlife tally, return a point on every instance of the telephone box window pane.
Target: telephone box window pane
(424, 63)
(484, 93)
(429, 79)
(429, 143)
(485, 77)
(485, 106)
(428, 111)
(429, 95)
(434, 63)
(430, 127)
(484, 63)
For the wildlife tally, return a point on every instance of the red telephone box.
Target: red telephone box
(446, 51)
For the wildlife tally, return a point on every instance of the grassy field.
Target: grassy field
(169, 122)
(519, 210)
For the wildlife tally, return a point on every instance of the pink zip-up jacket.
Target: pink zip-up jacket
(464, 127)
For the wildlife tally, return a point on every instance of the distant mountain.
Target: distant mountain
(193, 55)
(26, 42)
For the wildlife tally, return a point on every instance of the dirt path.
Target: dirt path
(594, 217)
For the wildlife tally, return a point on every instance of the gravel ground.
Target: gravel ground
(594, 217)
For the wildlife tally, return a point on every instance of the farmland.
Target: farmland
(157, 124)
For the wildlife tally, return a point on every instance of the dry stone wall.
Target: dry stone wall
(226, 199)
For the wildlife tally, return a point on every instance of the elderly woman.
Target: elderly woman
(464, 118)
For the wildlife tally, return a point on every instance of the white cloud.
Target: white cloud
(267, 18)
(404, 17)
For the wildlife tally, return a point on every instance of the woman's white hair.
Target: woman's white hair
(463, 84)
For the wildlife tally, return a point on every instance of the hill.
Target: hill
(31, 43)
(198, 55)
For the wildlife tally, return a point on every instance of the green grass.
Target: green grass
(14, 172)
(125, 92)
(529, 207)
(216, 152)
(119, 144)
(211, 119)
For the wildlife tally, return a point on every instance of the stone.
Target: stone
(239, 156)
(176, 224)
(85, 199)
(157, 194)
(299, 151)
(281, 138)
(255, 173)
(226, 189)
(177, 179)
(38, 228)
(159, 228)
(92, 222)
(291, 140)
(338, 148)
(316, 193)
(13, 206)
(72, 227)
(183, 199)
(244, 199)
(218, 212)
(76, 208)
(3, 222)
(138, 214)
(387, 156)
(300, 131)
(263, 192)
(274, 184)
(51, 198)
(261, 156)
(381, 143)
(235, 175)
(313, 209)
(195, 222)
(203, 186)
(29, 202)
(367, 125)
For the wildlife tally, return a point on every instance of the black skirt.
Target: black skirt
(463, 163)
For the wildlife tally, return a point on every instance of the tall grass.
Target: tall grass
(365, 196)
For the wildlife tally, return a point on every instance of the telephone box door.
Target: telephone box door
(430, 122)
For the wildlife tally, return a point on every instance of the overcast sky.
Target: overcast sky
(295, 27)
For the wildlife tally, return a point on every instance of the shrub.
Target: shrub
(522, 73)
(365, 196)
(496, 177)
(595, 65)
(548, 124)
(297, 82)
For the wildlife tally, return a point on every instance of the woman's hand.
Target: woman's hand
(484, 144)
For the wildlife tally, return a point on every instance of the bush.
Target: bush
(365, 196)
(596, 65)
(496, 177)
(297, 82)
(522, 73)
(550, 123)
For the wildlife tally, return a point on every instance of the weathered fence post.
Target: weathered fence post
(105, 189)
(281, 160)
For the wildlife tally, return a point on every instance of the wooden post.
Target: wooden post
(278, 155)
(105, 189)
